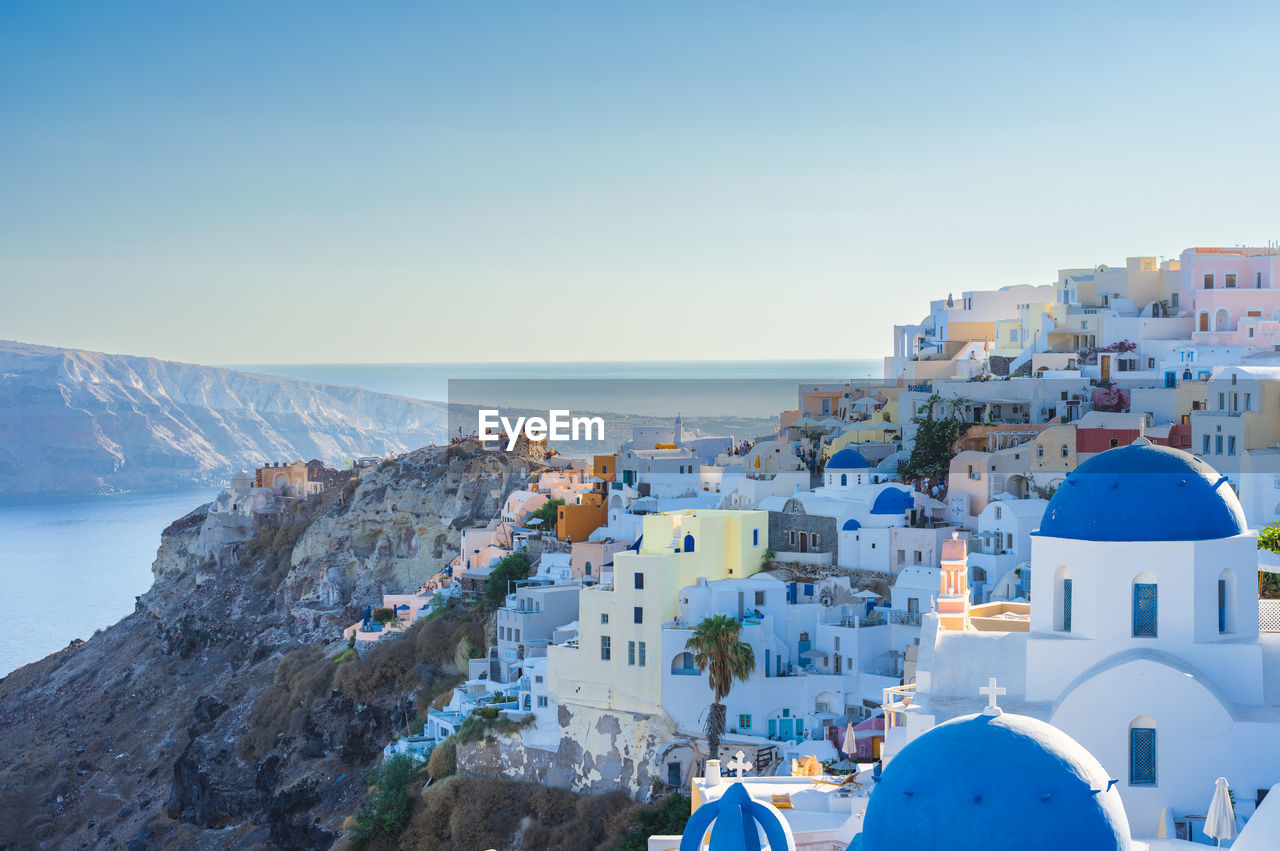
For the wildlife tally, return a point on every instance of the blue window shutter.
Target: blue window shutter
(1144, 610)
(1066, 605)
(1222, 605)
(1142, 756)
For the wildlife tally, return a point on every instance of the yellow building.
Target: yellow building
(618, 661)
(881, 427)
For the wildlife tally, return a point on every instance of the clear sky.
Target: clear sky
(241, 182)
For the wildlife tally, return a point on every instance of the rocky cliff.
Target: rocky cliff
(215, 716)
(73, 420)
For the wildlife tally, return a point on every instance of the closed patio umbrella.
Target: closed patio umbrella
(1220, 823)
(850, 746)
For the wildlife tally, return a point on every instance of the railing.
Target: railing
(1269, 616)
(905, 618)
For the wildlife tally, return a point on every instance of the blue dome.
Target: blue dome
(1143, 492)
(995, 782)
(848, 459)
(851, 525)
(893, 501)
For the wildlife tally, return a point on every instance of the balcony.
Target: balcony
(904, 618)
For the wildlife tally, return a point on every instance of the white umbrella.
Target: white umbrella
(1220, 823)
(850, 746)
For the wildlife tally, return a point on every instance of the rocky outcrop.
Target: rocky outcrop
(73, 420)
(138, 737)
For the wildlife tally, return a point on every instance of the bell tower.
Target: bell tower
(953, 596)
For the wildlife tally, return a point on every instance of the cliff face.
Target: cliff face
(73, 420)
(214, 716)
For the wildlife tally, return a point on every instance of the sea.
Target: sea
(70, 565)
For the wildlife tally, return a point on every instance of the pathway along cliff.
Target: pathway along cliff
(214, 715)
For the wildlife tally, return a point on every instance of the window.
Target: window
(631, 652)
(542, 701)
(1039, 451)
(1206, 445)
(744, 722)
(1257, 282)
(642, 654)
(1230, 280)
(537, 678)
(844, 480)
(639, 581)
(587, 569)
(1144, 609)
(604, 617)
(1065, 452)
(1217, 445)
(915, 554)
(808, 589)
(606, 652)
(1208, 281)
(913, 605)
(755, 537)
(1115, 441)
(1142, 753)
(759, 598)
(813, 539)
(791, 537)
(997, 512)
(1066, 605)
(639, 614)
(1226, 601)
(1231, 445)
(902, 556)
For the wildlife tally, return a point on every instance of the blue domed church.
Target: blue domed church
(1142, 645)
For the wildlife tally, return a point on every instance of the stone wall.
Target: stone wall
(584, 749)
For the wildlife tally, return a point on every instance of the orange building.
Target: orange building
(577, 522)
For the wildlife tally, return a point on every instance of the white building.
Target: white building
(1144, 639)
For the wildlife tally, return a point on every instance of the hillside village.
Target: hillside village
(1053, 495)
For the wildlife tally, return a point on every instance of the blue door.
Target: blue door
(773, 728)
(673, 774)
(788, 729)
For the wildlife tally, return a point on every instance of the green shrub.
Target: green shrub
(386, 811)
(444, 760)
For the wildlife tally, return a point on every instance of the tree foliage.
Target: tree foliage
(935, 442)
(547, 513)
(720, 651)
(1269, 583)
(513, 568)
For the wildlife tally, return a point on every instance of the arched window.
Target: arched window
(1145, 608)
(587, 570)
(1221, 320)
(1062, 599)
(1227, 601)
(844, 479)
(688, 543)
(1142, 751)
(683, 665)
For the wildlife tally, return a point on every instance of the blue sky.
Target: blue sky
(485, 181)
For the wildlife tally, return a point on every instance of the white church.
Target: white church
(1142, 644)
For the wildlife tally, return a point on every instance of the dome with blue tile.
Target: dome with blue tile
(994, 782)
(1144, 492)
(848, 459)
(893, 501)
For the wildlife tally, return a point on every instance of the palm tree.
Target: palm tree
(718, 647)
